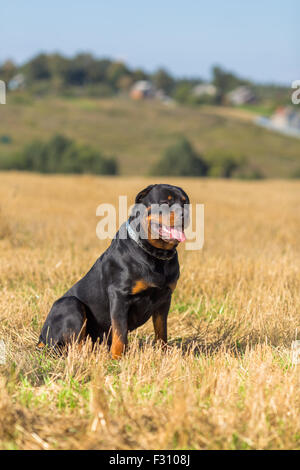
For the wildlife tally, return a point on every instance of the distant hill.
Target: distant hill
(138, 132)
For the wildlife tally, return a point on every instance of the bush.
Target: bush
(5, 139)
(101, 90)
(180, 160)
(249, 172)
(183, 92)
(223, 164)
(296, 173)
(61, 155)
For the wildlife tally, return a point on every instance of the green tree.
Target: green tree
(115, 71)
(97, 70)
(224, 164)
(62, 155)
(139, 74)
(76, 72)
(162, 80)
(225, 82)
(183, 91)
(7, 70)
(180, 160)
(38, 68)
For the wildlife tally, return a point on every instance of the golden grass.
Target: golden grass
(226, 382)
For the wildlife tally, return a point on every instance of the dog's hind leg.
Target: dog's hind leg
(66, 322)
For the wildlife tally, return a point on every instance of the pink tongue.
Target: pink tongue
(177, 234)
(173, 233)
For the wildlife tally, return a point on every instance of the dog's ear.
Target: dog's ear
(143, 193)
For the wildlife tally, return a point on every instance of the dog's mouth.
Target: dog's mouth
(168, 233)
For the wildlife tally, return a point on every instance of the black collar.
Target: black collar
(151, 250)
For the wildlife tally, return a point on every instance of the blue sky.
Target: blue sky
(256, 39)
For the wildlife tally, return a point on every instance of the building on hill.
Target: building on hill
(241, 95)
(142, 89)
(204, 89)
(285, 120)
(17, 82)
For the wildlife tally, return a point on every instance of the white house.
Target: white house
(17, 82)
(205, 89)
(142, 89)
(286, 118)
(241, 95)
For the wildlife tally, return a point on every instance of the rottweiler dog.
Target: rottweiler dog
(131, 281)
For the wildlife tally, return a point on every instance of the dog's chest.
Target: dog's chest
(145, 303)
(150, 293)
(148, 296)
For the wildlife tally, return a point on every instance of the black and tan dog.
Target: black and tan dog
(132, 280)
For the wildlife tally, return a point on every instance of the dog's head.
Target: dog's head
(165, 214)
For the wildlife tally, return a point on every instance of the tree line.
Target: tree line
(89, 75)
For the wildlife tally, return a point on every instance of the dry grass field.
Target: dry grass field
(227, 380)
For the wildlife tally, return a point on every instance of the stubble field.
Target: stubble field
(226, 382)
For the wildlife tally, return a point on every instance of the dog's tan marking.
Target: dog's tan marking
(139, 286)
(173, 286)
(157, 242)
(118, 346)
(160, 327)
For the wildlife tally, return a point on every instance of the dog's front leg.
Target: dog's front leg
(160, 323)
(119, 323)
